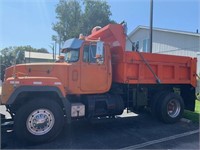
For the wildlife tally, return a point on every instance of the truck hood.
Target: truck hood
(56, 70)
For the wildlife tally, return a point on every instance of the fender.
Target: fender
(34, 89)
(27, 88)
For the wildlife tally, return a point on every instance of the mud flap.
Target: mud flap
(67, 106)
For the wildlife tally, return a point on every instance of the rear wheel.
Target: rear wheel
(39, 120)
(170, 108)
(155, 102)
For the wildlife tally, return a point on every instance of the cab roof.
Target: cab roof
(73, 43)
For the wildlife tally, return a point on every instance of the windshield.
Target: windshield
(72, 55)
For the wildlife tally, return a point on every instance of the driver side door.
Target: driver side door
(94, 75)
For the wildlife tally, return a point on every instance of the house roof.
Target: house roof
(164, 30)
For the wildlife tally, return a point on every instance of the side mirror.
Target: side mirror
(99, 52)
(99, 49)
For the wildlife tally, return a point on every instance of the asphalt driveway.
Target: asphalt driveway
(124, 132)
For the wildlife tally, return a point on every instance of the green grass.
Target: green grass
(194, 116)
(197, 106)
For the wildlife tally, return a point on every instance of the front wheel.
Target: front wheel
(39, 120)
(170, 107)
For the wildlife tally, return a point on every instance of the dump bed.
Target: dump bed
(128, 67)
(170, 69)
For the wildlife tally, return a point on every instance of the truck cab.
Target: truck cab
(90, 69)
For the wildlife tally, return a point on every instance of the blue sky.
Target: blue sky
(29, 22)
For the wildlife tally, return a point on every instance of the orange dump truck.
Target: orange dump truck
(98, 78)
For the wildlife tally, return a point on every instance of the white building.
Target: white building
(38, 57)
(166, 41)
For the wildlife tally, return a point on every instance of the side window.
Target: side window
(92, 53)
(89, 54)
(86, 53)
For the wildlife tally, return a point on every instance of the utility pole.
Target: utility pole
(55, 40)
(52, 47)
(151, 26)
(59, 46)
(55, 50)
(29, 55)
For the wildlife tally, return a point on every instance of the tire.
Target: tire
(39, 120)
(170, 107)
(155, 102)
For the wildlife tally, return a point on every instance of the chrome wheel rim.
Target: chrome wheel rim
(173, 108)
(40, 121)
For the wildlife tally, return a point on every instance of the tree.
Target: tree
(69, 16)
(72, 20)
(8, 56)
(97, 13)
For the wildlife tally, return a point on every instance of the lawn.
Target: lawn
(194, 116)
(197, 106)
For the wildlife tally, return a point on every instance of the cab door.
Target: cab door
(94, 71)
